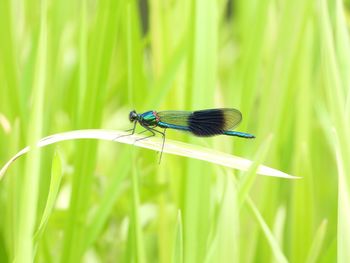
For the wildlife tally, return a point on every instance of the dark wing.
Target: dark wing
(213, 121)
(204, 122)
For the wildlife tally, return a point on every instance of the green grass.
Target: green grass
(83, 65)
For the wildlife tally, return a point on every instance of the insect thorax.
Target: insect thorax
(149, 118)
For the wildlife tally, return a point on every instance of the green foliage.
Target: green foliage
(68, 65)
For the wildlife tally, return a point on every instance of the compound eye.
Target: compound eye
(132, 116)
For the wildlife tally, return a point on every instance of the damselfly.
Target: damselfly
(204, 123)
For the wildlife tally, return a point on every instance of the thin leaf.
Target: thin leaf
(343, 205)
(318, 242)
(56, 176)
(279, 224)
(171, 146)
(248, 181)
(107, 202)
(178, 244)
(275, 247)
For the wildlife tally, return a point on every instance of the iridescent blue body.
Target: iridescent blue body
(204, 123)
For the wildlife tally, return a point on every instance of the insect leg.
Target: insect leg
(132, 132)
(163, 136)
(147, 129)
(143, 131)
(161, 153)
(154, 131)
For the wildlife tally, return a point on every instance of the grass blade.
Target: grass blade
(276, 249)
(316, 247)
(178, 243)
(30, 186)
(172, 147)
(56, 176)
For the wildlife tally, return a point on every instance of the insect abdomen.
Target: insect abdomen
(239, 134)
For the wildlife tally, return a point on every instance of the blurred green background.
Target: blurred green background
(68, 65)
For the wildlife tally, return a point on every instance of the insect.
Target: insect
(203, 123)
